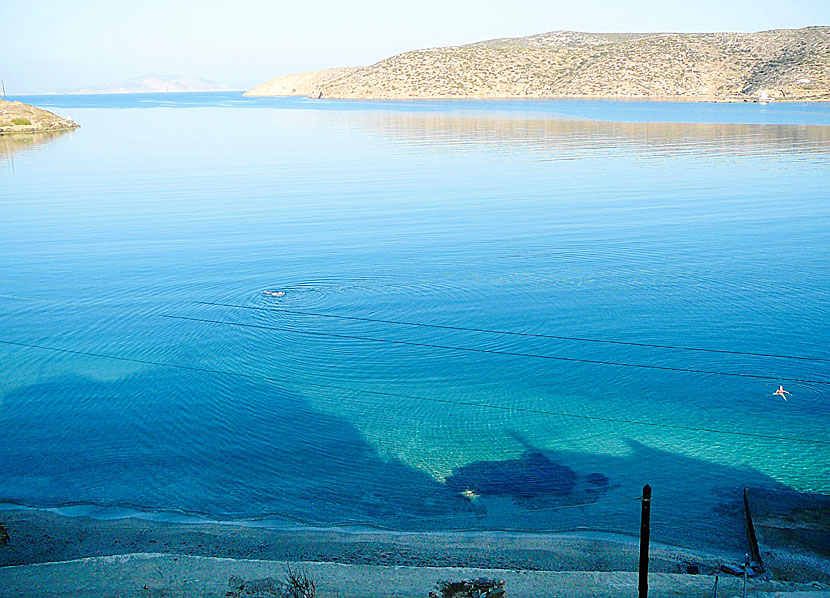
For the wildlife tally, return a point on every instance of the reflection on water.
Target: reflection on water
(18, 142)
(569, 137)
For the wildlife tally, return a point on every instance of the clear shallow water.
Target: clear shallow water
(699, 225)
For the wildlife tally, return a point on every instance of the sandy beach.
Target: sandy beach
(43, 536)
(89, 557)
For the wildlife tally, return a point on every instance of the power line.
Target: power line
(456, 348)
(497, 352)
(428, 325)
(274, 380)
(511, 333)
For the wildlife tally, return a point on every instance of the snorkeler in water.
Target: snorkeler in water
(781, 392)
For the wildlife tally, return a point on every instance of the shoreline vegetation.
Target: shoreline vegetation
(17, 117)
(777, 65)
(48, 550)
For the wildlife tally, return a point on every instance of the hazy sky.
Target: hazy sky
(48, 45)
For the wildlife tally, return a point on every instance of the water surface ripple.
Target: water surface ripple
(702, 226)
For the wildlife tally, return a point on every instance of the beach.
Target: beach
(85, 556)
(43, 536)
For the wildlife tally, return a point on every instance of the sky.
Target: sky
(58, 45)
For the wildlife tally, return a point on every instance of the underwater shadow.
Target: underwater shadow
(696, 503)
(200, 445)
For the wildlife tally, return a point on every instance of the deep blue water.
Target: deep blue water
(698, 225)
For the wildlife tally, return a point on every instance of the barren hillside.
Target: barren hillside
(791, 64)
(301, 84)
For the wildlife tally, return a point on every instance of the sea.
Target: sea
(482, 315)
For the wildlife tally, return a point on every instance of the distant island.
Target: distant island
(782, 64)
(152, 83)
(17, 117)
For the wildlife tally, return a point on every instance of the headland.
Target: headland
(776, 65)
(17, 117)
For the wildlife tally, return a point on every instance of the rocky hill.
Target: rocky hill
(301, 84)
(17, 117)
(789, 64)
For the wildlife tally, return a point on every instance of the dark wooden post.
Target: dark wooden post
(645, 533)
(754, 549)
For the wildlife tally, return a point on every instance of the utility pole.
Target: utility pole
(3, 83)
(645, 534)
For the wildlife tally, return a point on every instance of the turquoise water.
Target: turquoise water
(699, 225)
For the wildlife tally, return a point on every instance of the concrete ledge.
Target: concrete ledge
(157, 575)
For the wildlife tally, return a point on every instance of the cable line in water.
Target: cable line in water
(450, 347)
(274, 380)
(497, 352)
(427, 325)
(511, 333)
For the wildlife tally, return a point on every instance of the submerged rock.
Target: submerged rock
(598, 479)
(532, 475)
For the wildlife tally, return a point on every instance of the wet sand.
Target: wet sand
(43, 536)
(48, 550)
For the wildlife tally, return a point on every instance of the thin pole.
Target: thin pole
(715, 590)
(754, 550)
(4, 87)
(645, 534)
(746, 573)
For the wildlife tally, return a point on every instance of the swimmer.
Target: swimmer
(275, 293)
(782, 393)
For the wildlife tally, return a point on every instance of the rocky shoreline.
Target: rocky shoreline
(17, 117)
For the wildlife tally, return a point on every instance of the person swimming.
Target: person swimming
(274, 293)
(781, 392)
